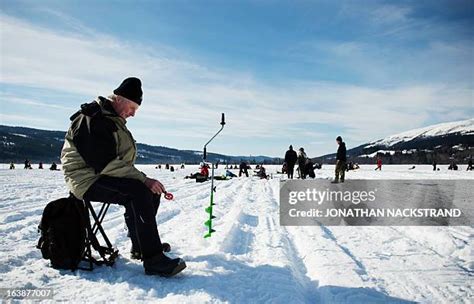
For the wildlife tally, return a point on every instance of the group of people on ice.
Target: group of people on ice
(244, 167)
(260, 170)
(454, 166)
(27, 165)
(306, 166)
(169, 167)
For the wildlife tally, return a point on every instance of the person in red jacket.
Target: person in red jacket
(379, 164)
(204, 173)
(205, 170)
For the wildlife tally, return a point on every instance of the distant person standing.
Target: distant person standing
(12, 166)
(290, 159)
(27, 164)
(453, 166)
(379, 164)
(40, 165)
(469, 164)
(302, 163)
(341, 159)
(434, 164)
(243, 169)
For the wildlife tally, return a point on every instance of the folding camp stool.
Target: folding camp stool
(107, 253)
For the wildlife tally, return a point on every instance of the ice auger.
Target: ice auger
(208, 223)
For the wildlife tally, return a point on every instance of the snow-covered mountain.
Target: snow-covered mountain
(463, 127)
(441, 142)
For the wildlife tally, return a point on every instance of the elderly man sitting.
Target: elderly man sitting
(98, 161)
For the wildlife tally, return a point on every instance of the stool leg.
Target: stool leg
(101, 215)
(98, 225)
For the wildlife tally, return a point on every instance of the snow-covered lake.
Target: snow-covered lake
(251, 258)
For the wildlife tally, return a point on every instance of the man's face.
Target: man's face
(125, 108)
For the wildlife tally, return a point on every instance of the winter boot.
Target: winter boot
(163, 266)
(135, 254)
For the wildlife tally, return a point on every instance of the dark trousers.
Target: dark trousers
(141, 206)
(243, 170)
(290, 170)
(302, 170)
(196, 175)
(340, 170)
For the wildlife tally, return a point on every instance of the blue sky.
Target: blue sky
(284, 72)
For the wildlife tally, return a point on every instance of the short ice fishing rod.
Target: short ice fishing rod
(208, 223)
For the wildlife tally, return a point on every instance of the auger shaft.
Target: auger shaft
(209, 210)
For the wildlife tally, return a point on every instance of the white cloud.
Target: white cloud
(186, 98)
(33, 102)
(18, 120)
(389, 13)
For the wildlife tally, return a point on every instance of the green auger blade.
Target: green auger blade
(209, 233)
(208, 209)
(208, 223)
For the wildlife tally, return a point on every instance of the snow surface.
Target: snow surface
(251, 258)
(464, 127)
(392, 152)
(377, 152)
(21, 135)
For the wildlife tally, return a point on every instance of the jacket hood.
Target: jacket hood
(106, 106)
(100, 106)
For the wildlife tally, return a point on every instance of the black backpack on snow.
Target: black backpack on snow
(63, 233)
(67, 238)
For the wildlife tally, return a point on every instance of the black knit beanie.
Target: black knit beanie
(339, 138)
(131, 88)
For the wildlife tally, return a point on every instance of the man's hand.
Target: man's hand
(155, 186)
